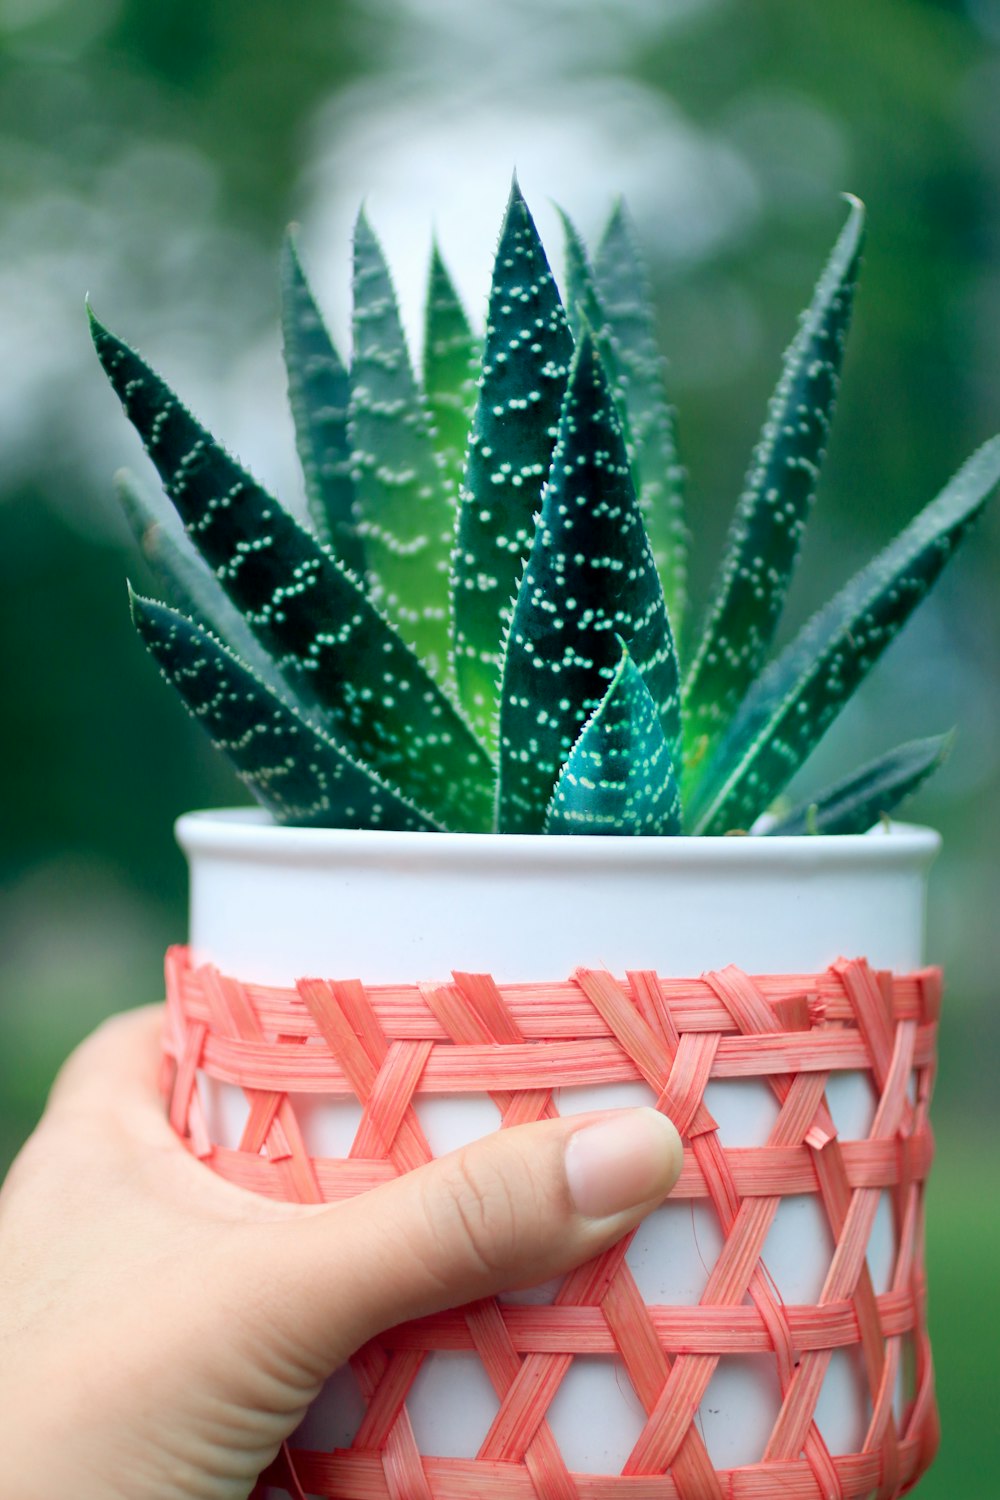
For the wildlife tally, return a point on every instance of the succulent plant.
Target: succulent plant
(483, 625)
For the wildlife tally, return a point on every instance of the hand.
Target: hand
(162, 1331)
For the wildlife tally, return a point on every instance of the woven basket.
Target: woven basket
(260, 1076)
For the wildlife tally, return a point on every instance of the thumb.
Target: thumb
(510, 1210)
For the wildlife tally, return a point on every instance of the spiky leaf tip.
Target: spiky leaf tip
(623, 286)
(795, 700)
(525, 363)
(306, 609)
(319, 390)
(619, 777)
(771, 516)
(452, 355)
(855, 804)
(589, 579)
(406, 520)
(291, 768)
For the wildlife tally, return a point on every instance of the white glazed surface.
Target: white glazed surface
(276, 904)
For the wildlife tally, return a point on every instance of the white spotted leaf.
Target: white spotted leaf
(319, 392)
(773, 509)
(798, 696)
(618, 778)
(525, 363)
(191, 586)
(306, 609)
(288, 764)
(405, 518)
(590, 579)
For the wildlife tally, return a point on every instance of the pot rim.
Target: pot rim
(250, 833)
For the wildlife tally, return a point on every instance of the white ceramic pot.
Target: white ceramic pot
(274, 904)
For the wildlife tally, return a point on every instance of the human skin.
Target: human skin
(163, 1331)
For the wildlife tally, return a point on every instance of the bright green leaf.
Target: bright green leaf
(406, 519)
(451, 369)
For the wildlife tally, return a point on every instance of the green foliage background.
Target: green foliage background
(151, 155)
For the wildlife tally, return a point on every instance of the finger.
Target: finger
(514, 1209)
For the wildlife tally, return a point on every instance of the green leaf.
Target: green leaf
(526, 359)
(406, 520)
(313, 616)
(587, 313)
(773, 510)
(623, 287)
(856, 803)
(589, 579)
(298, 774)
(319, 390)
(186, 580)
(795, 700)
(451, 369)
(619, 777)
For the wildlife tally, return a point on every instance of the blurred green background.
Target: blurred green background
(151, 156)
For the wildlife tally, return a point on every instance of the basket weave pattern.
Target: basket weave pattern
(518, 1042)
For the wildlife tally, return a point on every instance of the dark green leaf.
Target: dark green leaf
(589, 579)
(619, 777)
(313, 616)
(319, 391)
(796, 699)
(451, 369)
(856, 803)
(187, 581)
(527, 355)
(298, 774)
(773, 510)
(627, 303)
(407, 522)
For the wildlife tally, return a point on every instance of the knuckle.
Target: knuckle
(478, 1214)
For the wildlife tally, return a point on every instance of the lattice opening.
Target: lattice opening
(881, 1253)
(328, 1125)
(799, 1248)
(739, 1409)
(851, 1100)
(451, 1405)
(452, 1120)
(744, 1110)
(577, 1101)
(225, 1108)
(844, 1408)
(674, 1251)
(600, 1386)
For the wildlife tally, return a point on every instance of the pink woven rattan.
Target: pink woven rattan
(517, 1042)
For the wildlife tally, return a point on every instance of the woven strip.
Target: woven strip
(381, 1045)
